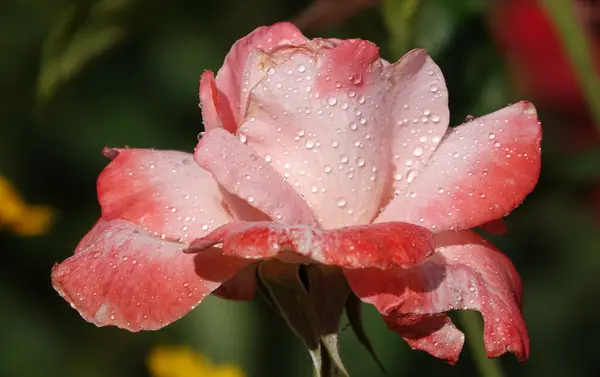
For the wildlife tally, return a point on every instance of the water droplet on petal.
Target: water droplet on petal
(418, 151)
(341, 202)
(301, 68)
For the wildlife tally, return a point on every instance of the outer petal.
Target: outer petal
(466, 272)
(122, 275)
(419, 106)
(164, 192)
(320, 120)
(241, 172)
(482, 170)
(381, 246)
(216, 110)
(242, 287)
(232, 75)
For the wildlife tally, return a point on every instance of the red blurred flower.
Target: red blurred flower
(533, 48)
(317, 151)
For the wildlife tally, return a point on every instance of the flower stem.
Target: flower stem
(577, 47)
(472, 325)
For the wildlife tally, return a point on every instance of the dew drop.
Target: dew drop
(341, 202)
(412, 174)
(309, 144)
(331, 101)
(418, 151)
(301, 68)
(268, 158)
(327, 169)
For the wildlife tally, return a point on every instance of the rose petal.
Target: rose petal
(164, 192)
(241, 172)
(122, 275)
(434, 334)
(241, 287)
(331, 145)
(230, 78)
(216, 110)
(466, 272)
(420, 112)
(380, 245)
(482, 170)
(497, 227)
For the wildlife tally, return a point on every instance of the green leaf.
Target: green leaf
(436, 22)
(84, 31)
(311, 311)
(354, 314)
(398, 16)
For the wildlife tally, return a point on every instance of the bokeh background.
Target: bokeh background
(80, 75)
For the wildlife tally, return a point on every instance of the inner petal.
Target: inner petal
(328, 142)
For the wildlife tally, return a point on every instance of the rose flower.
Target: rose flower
(317, 152)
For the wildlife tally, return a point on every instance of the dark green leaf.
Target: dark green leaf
(354, 314)
(84, 31)
(398, 16)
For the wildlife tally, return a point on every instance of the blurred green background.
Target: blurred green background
(80, 75)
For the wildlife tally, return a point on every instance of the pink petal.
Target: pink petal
(122, 275)
(380, 246)
(466, 272)
(434, 334)
(216, 110)
(231, 76)
(164, 192)
(421, 114)
(482, 170)
(242, 173)
(331, 145)
(241, 287)
(497, 227)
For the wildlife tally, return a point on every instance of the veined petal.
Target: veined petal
(121, 275)
(381, 246)
(164, 192)
(482, 170)
(465, 272)
(243, 173)
(232, 76)
(320, 120)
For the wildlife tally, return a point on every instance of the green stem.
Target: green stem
(576, 44)
(472, 325)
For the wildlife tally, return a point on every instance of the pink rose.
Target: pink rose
(317, 151)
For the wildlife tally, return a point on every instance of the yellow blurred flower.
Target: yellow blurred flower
(20, 217)
(179, 361)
